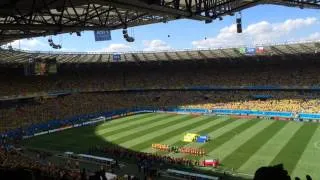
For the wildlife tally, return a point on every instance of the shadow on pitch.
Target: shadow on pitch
(84, 140)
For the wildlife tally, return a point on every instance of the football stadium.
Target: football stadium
(238, 112)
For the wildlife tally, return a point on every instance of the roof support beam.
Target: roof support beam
(155, 9)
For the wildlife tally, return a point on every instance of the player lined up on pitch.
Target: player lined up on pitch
(176, 149)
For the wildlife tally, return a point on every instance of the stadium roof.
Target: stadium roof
(33, 18)
(283, 50)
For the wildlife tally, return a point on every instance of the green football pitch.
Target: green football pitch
(242, 145)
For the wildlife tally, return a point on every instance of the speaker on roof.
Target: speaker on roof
(126, 35)
(53, 45)
(130, 39)
(239, 28)
(238, 20)
(208, 21)
(239, 23)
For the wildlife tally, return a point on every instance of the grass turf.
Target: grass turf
(247, 149)
(241, 144)
(295, 147)
(224, 138)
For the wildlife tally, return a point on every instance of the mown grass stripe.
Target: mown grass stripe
(126, 119)
(151, 129)
(229, 147)
(246, 150)
(94, 128)
(291, 153)
(309, 161)
(112, 127)
(85, 133)
(212, 134)
(62, 134)
(136, 124)
(161, 132)
(208, 130)
(63, 141)
(270, 149)
(177, 138)
(169, 134)
(141, 128)
(217, 133)
(220, 140)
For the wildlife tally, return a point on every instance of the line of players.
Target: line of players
(185, 150)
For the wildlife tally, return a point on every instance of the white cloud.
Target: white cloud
(28, 44)
(65, 49)
(118, 48)
(156, 45)
(258, 33)
(293, 24)
(36, 45)
(312, 37)
(115, 48)
(226, 36)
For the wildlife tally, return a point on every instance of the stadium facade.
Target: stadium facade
(281, 51)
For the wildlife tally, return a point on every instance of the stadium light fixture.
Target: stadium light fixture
(126, 35)
(53, 45)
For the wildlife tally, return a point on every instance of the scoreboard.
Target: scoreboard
(40, 66)
(116, 57)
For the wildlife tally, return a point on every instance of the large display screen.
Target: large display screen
(40, 66)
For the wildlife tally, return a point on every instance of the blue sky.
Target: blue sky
(262, 24)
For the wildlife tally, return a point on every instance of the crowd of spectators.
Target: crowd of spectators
(99, 78)
(298, 102)
(146, 162)
(155, 76)
(16, 165)
(33, 111)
